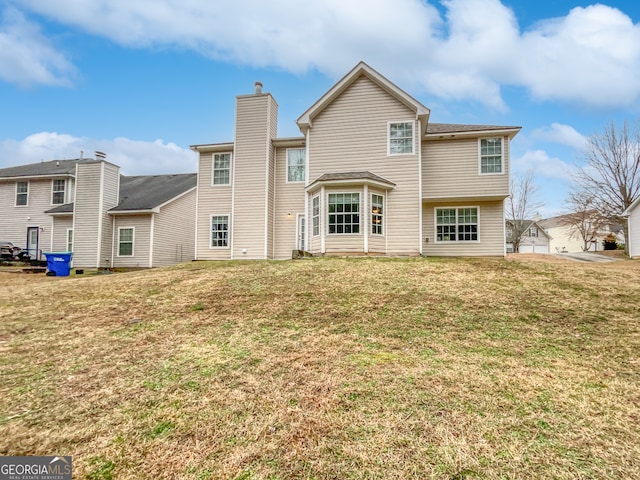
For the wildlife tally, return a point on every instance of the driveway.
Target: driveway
(586, 257)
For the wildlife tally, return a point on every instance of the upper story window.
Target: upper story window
(533, 232)
(22, 194)
(491, 155)
(401, 138)
(457, 224)
(57, 191)
(296, 161)
(221, 169)
(315, 215)
(344, 213)
(377, 214)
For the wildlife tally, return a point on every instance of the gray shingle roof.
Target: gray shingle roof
(53, 167)
(150, 191)
(436, 128)
(328, 177)
(144, 192)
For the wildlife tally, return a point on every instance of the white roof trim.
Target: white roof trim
(306, 119)
(627, 212)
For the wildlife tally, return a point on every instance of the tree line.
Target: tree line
(602, 189)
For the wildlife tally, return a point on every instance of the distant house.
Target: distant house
(563, 238)
(534, 239)
(633, 218)
(369, 175)
(105, 219)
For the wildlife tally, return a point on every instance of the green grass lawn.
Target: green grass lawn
(328, 368)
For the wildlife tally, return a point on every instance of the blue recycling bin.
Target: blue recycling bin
(59, 263)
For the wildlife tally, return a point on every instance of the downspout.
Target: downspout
(323, 223)
(420, 207)
(113, 239)
(151, 233)
(100, 215)
(366, 218)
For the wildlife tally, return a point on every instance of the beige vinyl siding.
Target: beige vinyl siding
(255, 115)
(490, 231)
(141, 240)
(211, 199)
(60, 226)
(92, 224)
(351, 135)
(451, 170)
(173, 228)
(87, 214)
(111, 181)
(289, 199)
(15, 220)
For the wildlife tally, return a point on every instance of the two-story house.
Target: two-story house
(106, 219)
(370, 174)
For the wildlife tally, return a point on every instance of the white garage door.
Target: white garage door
(534, 248)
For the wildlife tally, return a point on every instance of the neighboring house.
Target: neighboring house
(633, 218)
(106, 219)
(369, 175)
(564, 238)
(534, 239)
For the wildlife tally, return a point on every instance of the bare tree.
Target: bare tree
(584, 221)
(520, 206)
(612, 172)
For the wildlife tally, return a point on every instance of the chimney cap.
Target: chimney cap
(258, 87)
(100, 155)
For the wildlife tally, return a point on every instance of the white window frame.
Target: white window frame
(377, 214)
(304, 164)
(457, 224)
(413, 138)
(133, 241)
(359, 212)
(214, 169)
(54, 191)
(70, 240)
(480, 156)
(315, 215)
(223, 247)
(26, 194)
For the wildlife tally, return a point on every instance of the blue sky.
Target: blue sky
(143, 80)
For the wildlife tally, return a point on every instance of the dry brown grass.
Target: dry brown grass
(327, 368)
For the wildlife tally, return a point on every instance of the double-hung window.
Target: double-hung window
(377, 214)
(221, 169)
(296, 162)
(219, 231)
(344, 213)
(315, 215)
(400, 138)
(457, 224)
(57, 191)
(491, 155)
(125, 242)
(22, 194)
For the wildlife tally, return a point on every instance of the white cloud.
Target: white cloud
(562, 134)
(26, 56)
(590, 56)
(543, 165)
(134, 157)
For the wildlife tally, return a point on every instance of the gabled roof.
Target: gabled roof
(143, 193)
(362, 69)
(526, 224)
(42, 169)
(350, 178)
(630, 208)
(151, 191)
